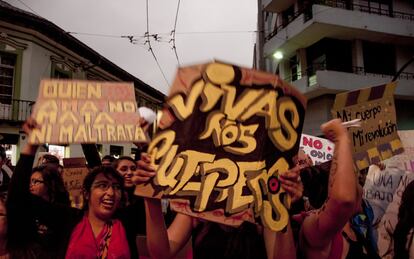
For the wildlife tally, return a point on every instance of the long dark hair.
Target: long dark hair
(405, 222)
(54, 183)
(116, 162)
(108, 172)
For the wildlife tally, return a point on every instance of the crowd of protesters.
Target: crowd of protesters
(329, 218)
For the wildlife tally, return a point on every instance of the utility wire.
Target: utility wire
(29, 7)
(157, 34)
(147, 35)
(173, 33)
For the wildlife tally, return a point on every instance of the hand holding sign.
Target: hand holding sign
(227, 135)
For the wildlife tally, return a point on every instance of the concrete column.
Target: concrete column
(303, 62)
(357, 54)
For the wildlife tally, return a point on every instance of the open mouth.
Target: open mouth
(108, 204)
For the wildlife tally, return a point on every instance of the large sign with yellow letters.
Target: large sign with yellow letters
(226, 135)
(73, 111)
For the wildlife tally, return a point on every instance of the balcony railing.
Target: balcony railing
(311, 71)
(15, 110)
(347, 5)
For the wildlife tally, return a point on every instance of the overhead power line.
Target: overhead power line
(148, 41)
(28, 7)
(173, 33)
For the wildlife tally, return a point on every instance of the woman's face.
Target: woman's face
(37, 186)
(104, 197)
(127, 169)
(3, 220)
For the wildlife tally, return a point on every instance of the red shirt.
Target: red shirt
(84, 245)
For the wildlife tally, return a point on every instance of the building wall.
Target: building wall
(317, 113)
(36, 65)
(357, 27)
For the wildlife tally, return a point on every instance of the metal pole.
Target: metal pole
(402, 69)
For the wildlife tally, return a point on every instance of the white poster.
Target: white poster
(319, 149)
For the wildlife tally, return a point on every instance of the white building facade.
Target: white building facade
(31, 49)
(331, 46)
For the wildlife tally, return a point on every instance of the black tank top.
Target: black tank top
(213, 240)
(356, 249)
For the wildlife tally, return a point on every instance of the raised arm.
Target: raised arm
(319, 228)
(162, 243)
(91, 155)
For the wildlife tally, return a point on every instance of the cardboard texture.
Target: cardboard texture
(74, 172)
(74, 111)
(377, 139)
(225, 136)
(383, 189)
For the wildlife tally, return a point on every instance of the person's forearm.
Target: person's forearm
(91, 155)
(157, 236)
(29, 149)
(342, 178)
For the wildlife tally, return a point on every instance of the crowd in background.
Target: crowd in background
(328, 217)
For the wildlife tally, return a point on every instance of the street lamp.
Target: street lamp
(278, 55)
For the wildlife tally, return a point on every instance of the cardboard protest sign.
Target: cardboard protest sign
(380, 186)
(377, 139)
(225, 136)
(405, 160)
(385, 228)
(74, 172)
(319, 149)
(383, 189)
(74, 111)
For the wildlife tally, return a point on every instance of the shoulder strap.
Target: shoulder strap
(104, 245)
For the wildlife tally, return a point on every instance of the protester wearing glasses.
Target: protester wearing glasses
(100, 230)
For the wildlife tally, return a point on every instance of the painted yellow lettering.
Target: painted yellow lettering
(65, 90)
(115, 106)
(80, 135)
(210, 173)
(47, 111)
(213, 127)
(104, 118)
(81, 91)
(273, 206)
(161, 177)
(130, 106)
(129, 128)
(181, 110)
(210, 96)
(68, 117)
(38, 135)
(220, 73)
(257, 181)
(192, 158)
(233, 109)
(99, 128)
(278, 138)
(120, 133)
(91, 136)
(71, 105)
(49, 89)
(165, 139)
(139, 134)
(229, 134)
(66, 134)
(110, 132)
(264, 106)
(94, 90)
(236, 201)
(246, 138)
